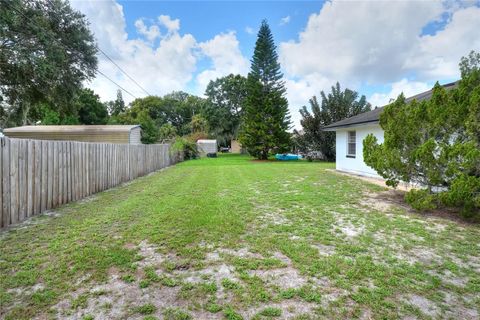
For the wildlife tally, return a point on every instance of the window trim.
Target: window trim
(349, 143)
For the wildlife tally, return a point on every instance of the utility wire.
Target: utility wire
(103, 74)
(111, 60)
(123, 70)
(66, 47)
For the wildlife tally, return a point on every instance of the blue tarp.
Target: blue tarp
(287, 156)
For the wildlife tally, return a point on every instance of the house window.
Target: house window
(351, 144)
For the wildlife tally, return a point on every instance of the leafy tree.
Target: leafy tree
(435, 144)
(226, 100)
(266, 118)
(176, 108)
(167, 132)
(90, 109)
(50, 116)
(469, 63)
(46, 52)
(150, 133)
(334, 107)
(199, 124)
(117, 106)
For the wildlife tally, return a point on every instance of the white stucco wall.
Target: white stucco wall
(356, 165)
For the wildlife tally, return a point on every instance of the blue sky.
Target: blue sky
(378, 48)
(205, 19)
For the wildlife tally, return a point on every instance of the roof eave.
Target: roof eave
(357, 124)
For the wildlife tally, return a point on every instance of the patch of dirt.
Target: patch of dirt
(423, 255)
(291, 309)
(271, 215)
(457, 310)
(150, 255)
(423, 304)
(285, 278)
(324, 250)
(215, 273)
(241, 253)
(347, 227)
(26, 290)
(450, 278)
(115, 299)
(384, 201)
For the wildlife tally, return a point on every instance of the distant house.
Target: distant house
(351, 132)
(236, 147)
(129, 134)
(206, 146)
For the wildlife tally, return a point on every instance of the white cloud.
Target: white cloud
(151, 33)
(249, 30)
(437, 56)
(171, 25)
(284, 20)
(224, 52)
(370, 42)
(161, 68)
(300, 91)
(408, 88)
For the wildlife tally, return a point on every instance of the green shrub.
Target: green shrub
(186, 147)
(434, 142)
(421, 199)
(464, 192)
(145, 309)
(229, 284)
(43, 297)
(271, 312)
(213, 307)
(176, 314)
(144, 284)
(230, 314)
(128, 278)
(288, 294)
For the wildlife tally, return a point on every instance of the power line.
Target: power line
(66, 47)
(111, 60)
(103, 74)
(123, 70)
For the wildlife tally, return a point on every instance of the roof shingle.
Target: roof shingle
(374, 115)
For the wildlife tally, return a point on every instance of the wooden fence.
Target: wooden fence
(38, 175)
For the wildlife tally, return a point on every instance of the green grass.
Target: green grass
(270, 210)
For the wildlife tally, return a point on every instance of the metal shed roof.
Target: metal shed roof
(206, 141)
(72, 128)
(374, 115)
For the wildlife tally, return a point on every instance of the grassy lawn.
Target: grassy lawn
(229, 238)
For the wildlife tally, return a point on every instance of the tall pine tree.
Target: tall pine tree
(266, 119)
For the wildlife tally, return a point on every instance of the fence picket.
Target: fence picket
(36, 175)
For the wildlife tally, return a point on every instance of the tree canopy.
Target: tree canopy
(90, 109)
(117, 106)
(46, 52)
(224, 110)
(434, 144)
(335, 106)
(266, 118)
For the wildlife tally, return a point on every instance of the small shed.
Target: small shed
(129, 134)
(206, 146)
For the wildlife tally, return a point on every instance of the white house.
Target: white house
(351, 132)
